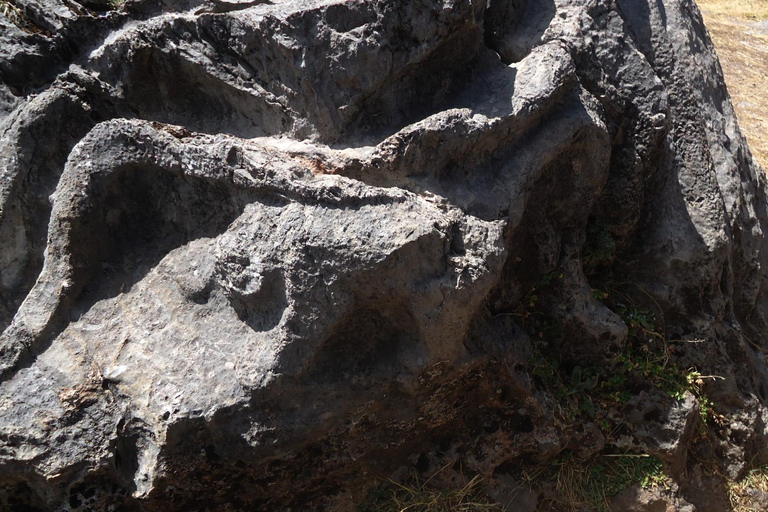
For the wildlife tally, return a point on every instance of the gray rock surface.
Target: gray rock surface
(255, 254)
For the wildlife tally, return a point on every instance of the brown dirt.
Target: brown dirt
(739, 29)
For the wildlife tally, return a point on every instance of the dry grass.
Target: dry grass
(750, 494)
(591, 484)
(12, 13)
(745, 9)
(416, 495)
(739, 29)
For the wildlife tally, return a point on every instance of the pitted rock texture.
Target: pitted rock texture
(255, 254)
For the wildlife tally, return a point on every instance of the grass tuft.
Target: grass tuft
(13, 13)
(420, 496)
(592, 483)
(749, 494)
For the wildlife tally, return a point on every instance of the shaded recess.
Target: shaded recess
(370, 343)
(139, 213)
(514, 27)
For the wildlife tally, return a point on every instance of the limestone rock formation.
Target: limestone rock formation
(255, 254)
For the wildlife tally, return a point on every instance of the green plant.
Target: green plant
(531, 299)
(574, 392)
(654, 366)
(546, 370)
(534, 322)
(417, 496)
(614, 388)
(705, 409)
(648, 354)
(641, 322)
(645, 360)
(582, 380)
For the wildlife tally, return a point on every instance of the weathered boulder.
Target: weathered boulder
(255, 254)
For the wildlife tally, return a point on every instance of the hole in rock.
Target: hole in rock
(263, 308)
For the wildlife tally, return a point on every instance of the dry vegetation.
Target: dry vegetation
(739, 29)
(746, 9)
(750, 494)
(12, 13)
(416, 495)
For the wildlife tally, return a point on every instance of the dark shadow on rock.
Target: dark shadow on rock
(514, 27)
(322, 425)
(139, 215)
(20, 496)
(637, 16)
(170, 89)
(45, 143)
(706, 493)
(369, 342)
(420, 89)
(640, 15)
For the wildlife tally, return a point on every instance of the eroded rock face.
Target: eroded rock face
(255, 254)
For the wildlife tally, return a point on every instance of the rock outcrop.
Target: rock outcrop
(256, 254)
